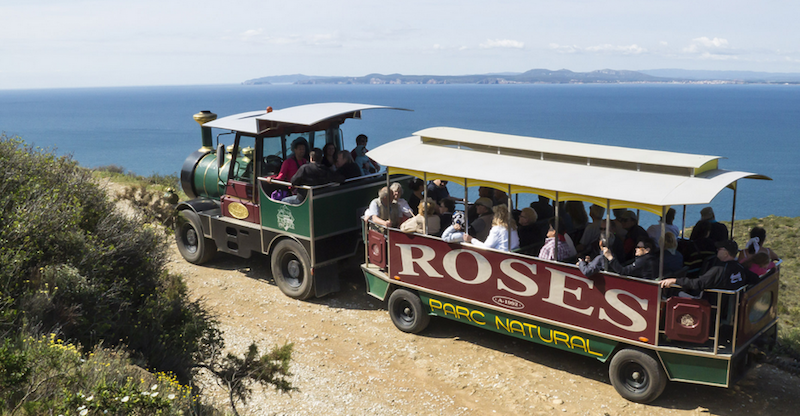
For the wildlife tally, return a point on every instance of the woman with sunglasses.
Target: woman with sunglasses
(645, 263)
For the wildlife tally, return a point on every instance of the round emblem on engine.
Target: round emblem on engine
(238, 210)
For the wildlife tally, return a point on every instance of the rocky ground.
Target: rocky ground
(349, 359)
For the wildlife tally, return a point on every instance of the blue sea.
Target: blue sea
(151, 130)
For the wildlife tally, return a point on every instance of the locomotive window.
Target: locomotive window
(271, 156)
(243, 168)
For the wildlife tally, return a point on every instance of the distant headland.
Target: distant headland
(546, 76)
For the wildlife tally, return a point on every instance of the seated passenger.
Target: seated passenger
(654, 231)
(359, 155)
(498, 235)
(759, 263)
(673, 260)
(590, 266)
(329, 156)
(565, 247)
(446, 209)
(531, 237)
(292, 164)
(633, 234)
(311, 174)
(729, 274)
(455, 232)
(645, 264)
(417, 187)
(437, 190)
(383, 210)
(427, 214)
(345, 165)
(397, 198)
(699, 246)
(479, 228)
(543, 208)
(756, 245)
(577, 212)
(718, 231)
(592, 231)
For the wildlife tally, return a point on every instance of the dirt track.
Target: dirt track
(350, 360)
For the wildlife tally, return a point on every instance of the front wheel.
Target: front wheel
(407, 312)
(291, 269)
(637, 375)
(194, 247)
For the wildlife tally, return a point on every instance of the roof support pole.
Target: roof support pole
(683, 221)
(466, 207)
(425, 203)
(555, 247)
(510, 218)
(733, 211)
(608, 233)
(662, 243)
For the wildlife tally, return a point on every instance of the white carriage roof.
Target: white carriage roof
(639, 178)
(255, 122)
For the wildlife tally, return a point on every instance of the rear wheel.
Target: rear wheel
(194, 247)
(291, 269)
(407, 312)
(637, 375)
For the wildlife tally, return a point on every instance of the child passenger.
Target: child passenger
(455, 232)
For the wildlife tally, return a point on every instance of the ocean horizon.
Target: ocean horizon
(150, 129)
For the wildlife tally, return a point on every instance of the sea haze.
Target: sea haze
(151, 129)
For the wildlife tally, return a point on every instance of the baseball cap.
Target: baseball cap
(485, 202)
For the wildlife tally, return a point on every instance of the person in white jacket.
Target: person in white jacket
(498, 235)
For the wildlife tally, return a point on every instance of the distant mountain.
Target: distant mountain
(744, 76)
(546, 76)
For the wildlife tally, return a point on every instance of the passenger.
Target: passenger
(498, 236)
(645, 264)
(673, 259)
(759, 263)
(729, 274)
(329, 156)
(479, 228)
(483, 192)
(592, 231)
(446, 208)
(311, 174)
(590, 266)
(756, 245)
(345, 165)
(397, 198)
(417, 186)
(543, 208)
(437, 190)
(565, 248)
(654, 231)
(427, 214)
(719, 232)
(455, 232)
(580, 220)
(359, 155)
(499, 197)
(383, 211)
(531, 237)
(633, 234)
(292, 163)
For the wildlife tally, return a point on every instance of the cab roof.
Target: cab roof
(259, 122)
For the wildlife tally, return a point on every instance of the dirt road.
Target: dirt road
(350, 360)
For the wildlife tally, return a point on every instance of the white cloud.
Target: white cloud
(600, 49)
(703, 44)
(319, 39)
(501, 43)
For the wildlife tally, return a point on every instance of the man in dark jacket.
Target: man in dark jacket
(644, 265)
(345, 165)
(729, 274)
(312, 174)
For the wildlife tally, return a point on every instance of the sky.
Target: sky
(78, 43)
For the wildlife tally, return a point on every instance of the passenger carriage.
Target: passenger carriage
(646, 338)
(231, 208)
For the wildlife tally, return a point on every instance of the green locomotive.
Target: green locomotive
(231, 208)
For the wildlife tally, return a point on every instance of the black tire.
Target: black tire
(637, 375)
(407, 312)
(291, 269)
(193, 246)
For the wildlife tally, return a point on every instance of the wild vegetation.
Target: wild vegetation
(86, 303)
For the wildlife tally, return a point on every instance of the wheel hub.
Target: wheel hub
(191, 240)
(294, 269)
